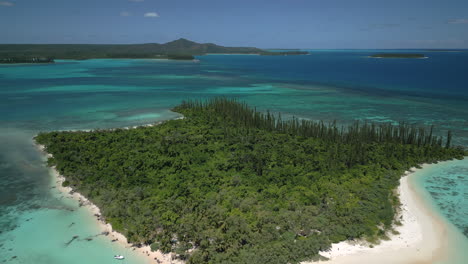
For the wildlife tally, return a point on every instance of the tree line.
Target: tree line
(229, 184)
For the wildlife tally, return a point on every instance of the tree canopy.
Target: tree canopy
(228, 184)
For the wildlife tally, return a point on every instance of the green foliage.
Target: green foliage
(23, 59)
(155, 246)
(104, 51)
(228, 184)
(180, 57)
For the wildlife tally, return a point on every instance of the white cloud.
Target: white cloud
(125, 14)
(151, 14)
(458, 21)
(6, 3)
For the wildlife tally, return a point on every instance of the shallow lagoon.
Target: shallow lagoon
(36, 221)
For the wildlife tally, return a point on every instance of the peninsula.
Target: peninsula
(181, 49)
(228, 184)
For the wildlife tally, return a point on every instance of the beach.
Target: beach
(423, 236)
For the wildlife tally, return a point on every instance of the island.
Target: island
(14, 60)
(181, 49)
(398, 56)
(180, 57)
(229, 184)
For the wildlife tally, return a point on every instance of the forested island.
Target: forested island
(13, 60)
(181, 49)
(228, 184)
(399, 55)
(180, 57)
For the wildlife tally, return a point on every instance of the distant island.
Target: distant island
(181, 49)
(13, 60)
(228, 184)
(398, 55)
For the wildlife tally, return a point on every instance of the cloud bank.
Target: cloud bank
(151, 14)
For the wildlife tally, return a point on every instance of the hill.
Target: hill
(94, 51)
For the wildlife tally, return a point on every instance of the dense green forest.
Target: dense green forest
(180, 57)
(228, 184)
(178, 49)
(11, 60)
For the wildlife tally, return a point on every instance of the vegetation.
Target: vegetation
(180, 47)
(227, 184)
(180, 57)
(398, 55)
(11, 60)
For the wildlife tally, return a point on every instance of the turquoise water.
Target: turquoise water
(343, 85)
(446, 183)
(443, 185)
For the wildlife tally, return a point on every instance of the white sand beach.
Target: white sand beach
(422, 236)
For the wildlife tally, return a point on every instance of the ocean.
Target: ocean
(37, 222)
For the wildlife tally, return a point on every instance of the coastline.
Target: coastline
(106, 228)
(423, 235)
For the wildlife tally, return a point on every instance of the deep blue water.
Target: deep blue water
(342, 85)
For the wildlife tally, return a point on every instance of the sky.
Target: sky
(320, 24)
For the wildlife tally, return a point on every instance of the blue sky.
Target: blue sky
(260, 23)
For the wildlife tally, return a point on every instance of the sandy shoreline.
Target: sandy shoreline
(113, 236)
(422, 236)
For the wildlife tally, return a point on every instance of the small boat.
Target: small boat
(120, 257)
